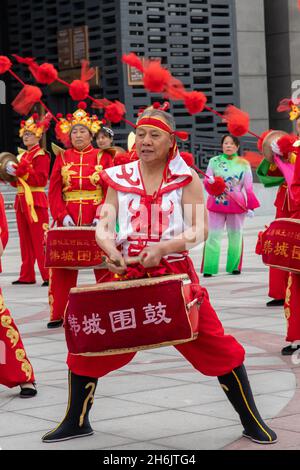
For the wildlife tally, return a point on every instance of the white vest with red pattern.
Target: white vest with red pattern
(144, 220)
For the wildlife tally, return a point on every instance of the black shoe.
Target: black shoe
(207, 275)
(45, 283)
(76, 422)
(28, 392)
(237, 388)
(55, 324)
(289, 350)
(275, 303)
(22, 282)
(236, 271)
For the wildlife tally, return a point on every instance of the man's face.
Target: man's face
(29, 139)
(80, 137)
(153, 144)
(103, 140)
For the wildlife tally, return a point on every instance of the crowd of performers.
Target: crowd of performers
(87, 178)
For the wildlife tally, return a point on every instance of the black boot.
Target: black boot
(238, 390)
(76, 422)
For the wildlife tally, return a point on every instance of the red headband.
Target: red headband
(163, 126)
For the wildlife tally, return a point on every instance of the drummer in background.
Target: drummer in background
(279, 280)
(75, 192)
(31, 204)
(159, 181)
(15, 367)
(104, 138)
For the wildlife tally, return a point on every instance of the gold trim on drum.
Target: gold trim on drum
(117, 285)
(111, 352)
(290, 270)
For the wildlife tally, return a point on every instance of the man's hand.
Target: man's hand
(116, 263)
(68, 221)
(211, 180)
(151, 256)
(11, 168)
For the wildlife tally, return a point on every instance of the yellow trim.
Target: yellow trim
(85, 403)
(247, 404)
(33, 189)
(84, 195)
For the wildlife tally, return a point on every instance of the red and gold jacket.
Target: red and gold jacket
(295, 189)
(34, 166)
(75, 186)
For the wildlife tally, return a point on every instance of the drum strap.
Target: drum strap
(33, 189)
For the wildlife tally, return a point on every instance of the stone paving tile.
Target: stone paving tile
(133, 383)
(14, 423)
(204, 440)
(177, 397)
(139, 446)
(32, 441)
(103, 409)
(268, 405)
(159, 424)
(46, 396)
(286, 439)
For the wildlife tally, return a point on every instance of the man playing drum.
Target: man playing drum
(161, 182)
(75, 192)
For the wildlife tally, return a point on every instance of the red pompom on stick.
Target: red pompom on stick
(79, 90)
(285, 144)
(156, 78)
(195, 101)
(133, 60)
(26, 99)
(237, 121)
(114, 112)
(188, 158)
(5, 64)
(217, 188)
(44, 74)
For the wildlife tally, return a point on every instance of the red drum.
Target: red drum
(124, 316)
(73, 248)
(280, 245)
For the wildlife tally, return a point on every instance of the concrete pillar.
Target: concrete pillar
(252, 63)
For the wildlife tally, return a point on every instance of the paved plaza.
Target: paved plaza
(158, 401)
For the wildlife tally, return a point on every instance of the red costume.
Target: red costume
(34, 170)
(292, 299)
(74, 190)
(15, 367)
(212, 353)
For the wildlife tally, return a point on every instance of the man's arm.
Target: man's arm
(106, 231)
